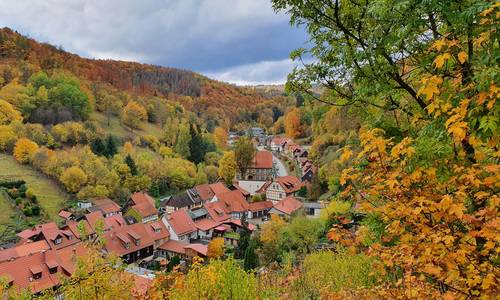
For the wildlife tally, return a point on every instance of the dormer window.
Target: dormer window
(157, 230)
(58, 241)
(36, 271)
(137, 242)
(126, 245)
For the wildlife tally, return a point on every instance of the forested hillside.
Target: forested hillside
(214, 102)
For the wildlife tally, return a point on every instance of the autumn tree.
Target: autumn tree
(244, 152)
(24, 150)
(8, 113)
(227, 166)
(73, 179)
(216, 248)
(133, 115)
(293, 128)
(220, 136)
(269, 235)
(183, 140)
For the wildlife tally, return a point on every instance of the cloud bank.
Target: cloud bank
(241, 41)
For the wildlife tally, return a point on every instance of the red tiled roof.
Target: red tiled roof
(262, 160)
(173, 246)
(65, 214)
(279, 140)
(145, 209)
(233, 201)
(114, 221)
(288, 205)
(205, 192)
(157, 230)
(242, 190)
(261, 205)
(206, 224)
(264, 187)
(217, 211)
(250, 226)
(219, 188)
(290, 184)
(20, 271)
(106, 205)
(23, 250)
(140, 198)
(94, 218)
(198, 248)
(115, 239)
(181, 222)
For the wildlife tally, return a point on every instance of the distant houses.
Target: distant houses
(261, 168)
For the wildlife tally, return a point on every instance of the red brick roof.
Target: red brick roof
(116, 239)
(242, 190)
(261, 205)
(181, 222)
(73, 227)
(114, 221)
(140, 198)
(262, 160)
(50, 233)
(233, 201)
(217, 211)
(288, 205)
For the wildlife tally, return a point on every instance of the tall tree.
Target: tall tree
(220, 135)
(227, 167)
(244, 152)
(183, 140)
(131, 164)
(134, 114)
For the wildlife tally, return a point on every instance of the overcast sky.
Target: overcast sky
(238, 41)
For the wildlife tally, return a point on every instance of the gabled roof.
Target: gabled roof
(183, 199)
(157, 230)
(180, 222)
(233, 201)
(262, 160)
(198, 248)
(94, 218)
(288, 205)
(143, 204)
(261, 205)
(73, 227)
(206, 224)
(173, 246)
(105, 205)
(114, 221)
(219, 188)
(217, 211)
(242, 190)
(20, 271)
(205, 192)
(23, 250)
(65, 214)
(116, 239)
(50, 233)
(290, 184)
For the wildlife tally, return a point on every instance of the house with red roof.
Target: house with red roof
(259, 209)
(56, 238)
(182, 250)
(282, 187)
(261, 168)
(132, 242)
(286, 207)
(106, 206)
(41, 270)
(141, 207)
(278, 144)
(180, 226)
(234, 203)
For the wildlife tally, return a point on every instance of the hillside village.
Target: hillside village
(148, 234)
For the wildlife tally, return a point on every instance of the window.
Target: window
(157, 230)
(37, 275)
(53, 270)
(58, 241)
(127, 245)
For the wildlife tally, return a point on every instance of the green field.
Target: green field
(117, 129)
(49, 195)
(6, 211)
